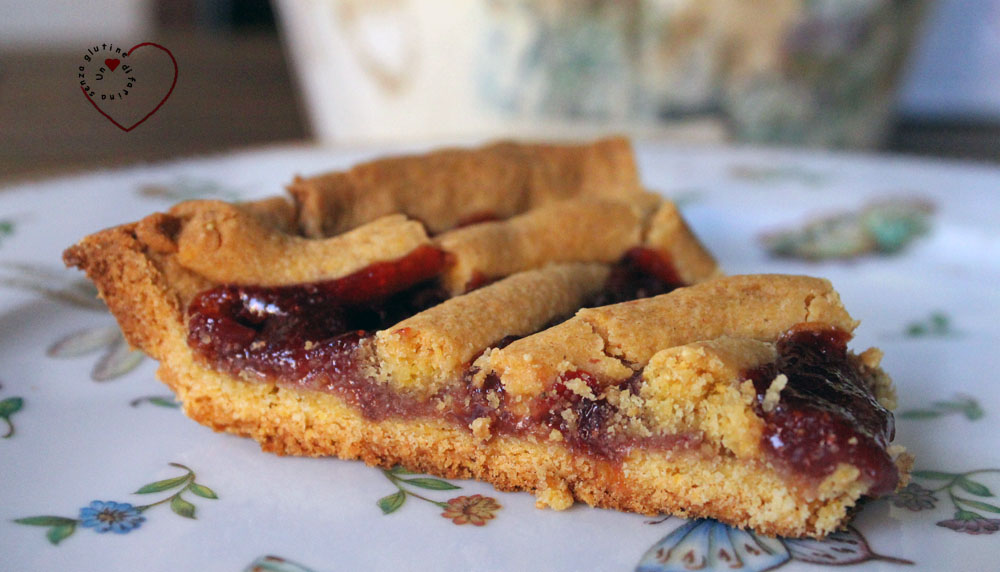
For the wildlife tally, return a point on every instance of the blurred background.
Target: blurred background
(906, 76)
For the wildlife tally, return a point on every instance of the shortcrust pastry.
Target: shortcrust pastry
(523, 314)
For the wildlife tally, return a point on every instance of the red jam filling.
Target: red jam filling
(589, 427)
(826, 414)
(308, 336)
(478, 280)
(641, 273)
(290, 332)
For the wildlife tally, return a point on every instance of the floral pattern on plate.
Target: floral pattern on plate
(883, 227)
(188, 188)
(961, 404)
(123, 517)
(321, 512)
(476, 509)
(8, 407)
(969, 516)
(168, 401)
(937, 324)
(116, 358)
(7, 227)
(703, 544)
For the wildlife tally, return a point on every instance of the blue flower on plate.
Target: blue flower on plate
(120, 518)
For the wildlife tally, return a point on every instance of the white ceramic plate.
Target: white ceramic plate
(87, 421)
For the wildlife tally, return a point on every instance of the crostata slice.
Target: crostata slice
(522, 314)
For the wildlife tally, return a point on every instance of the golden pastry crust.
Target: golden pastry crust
(688, 348)
(276, 212)
(585, 230)
(758, 306)
(140, 296)
(226, 244)
(610, 340)
(444, 188)
(700, 385)
(425, 352)
(574, 230)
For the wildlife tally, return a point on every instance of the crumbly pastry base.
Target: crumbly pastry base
(686, 483)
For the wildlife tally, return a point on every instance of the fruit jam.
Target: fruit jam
(589, 426)
(291, 332)
(826, 415)
(310, 336)
(641, 273)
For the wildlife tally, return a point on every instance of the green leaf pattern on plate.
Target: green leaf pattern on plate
(391, 503)
(189, 188)
(959, 405)
(116, 358)
(956, 487)
(122, 518)
(167, 401)
(58, 286)
(938, 324)
(8, 407)
(7, 227)
(476, 509)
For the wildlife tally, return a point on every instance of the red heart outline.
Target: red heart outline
(158, 105)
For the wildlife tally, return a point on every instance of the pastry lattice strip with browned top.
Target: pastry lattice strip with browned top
(336, 324)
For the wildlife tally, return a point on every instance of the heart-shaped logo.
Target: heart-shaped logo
(125, 92)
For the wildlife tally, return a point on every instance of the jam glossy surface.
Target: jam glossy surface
(641, 273)
(826, 414)
(311, 336)
(292, 332)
